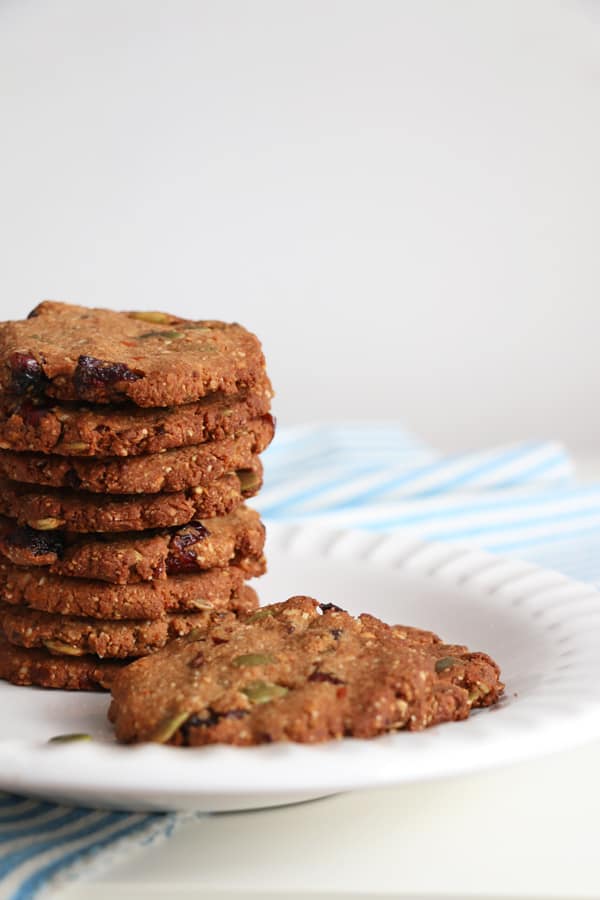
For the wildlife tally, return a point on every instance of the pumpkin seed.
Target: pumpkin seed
(48, 524)
(446, 663)
(159, 318)
(63, 649)
(167, 729)
(201, 604)
(168, 335)
(263, 691)
(249, 480)
(68, 738)
(260, 614)
(253, 659)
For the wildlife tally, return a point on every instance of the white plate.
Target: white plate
(542, 627)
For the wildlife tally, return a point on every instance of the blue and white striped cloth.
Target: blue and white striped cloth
(521, 499)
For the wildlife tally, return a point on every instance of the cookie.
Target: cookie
(78, 636)
(152, 359)
(29, 424)
(455, 664)
(49, 509)
(140, 556)
(68, 673)
(171, 471)
(214, 588)
(287, 673)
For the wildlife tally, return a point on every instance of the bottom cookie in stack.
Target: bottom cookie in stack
(72, 632)
(44, 669)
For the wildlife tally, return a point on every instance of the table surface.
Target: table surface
(527, 831)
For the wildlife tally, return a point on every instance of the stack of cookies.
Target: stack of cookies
(129, 442)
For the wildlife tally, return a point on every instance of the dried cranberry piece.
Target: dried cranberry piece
(27, 376)
(197, 721)
(326, 607)
(213, 718)
(72, 479)
(181, 556)
(93, 373)
(31, 413)
(325, 676)
(38, 542)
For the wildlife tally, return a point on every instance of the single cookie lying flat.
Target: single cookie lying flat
(43, 669)
(140, 556)
(153, 359)
(289, 673)
(77, 430)
(49, 509)
(78, 636)
(213, 588)
(171, 471)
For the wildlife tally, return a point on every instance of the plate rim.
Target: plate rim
(32, 766)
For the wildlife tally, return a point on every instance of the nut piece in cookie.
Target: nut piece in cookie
(294, 671)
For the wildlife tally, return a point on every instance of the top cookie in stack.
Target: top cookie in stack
(128, 443)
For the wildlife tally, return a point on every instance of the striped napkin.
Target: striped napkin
(520, 499)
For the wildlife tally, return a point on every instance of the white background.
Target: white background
(401, 198)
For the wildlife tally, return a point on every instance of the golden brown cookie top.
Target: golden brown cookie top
(101, 356)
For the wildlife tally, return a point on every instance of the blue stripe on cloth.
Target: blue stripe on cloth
(406, 484)
(516, 497)
(551, 550)
(11, 860)
(33, 883)
(473, 475)
(9, 799)
(554, 464)
(314, 490)
(484, 531)
(419, 475)
(520, 498)
(67, 817)
(16, 818)
(497, 506)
